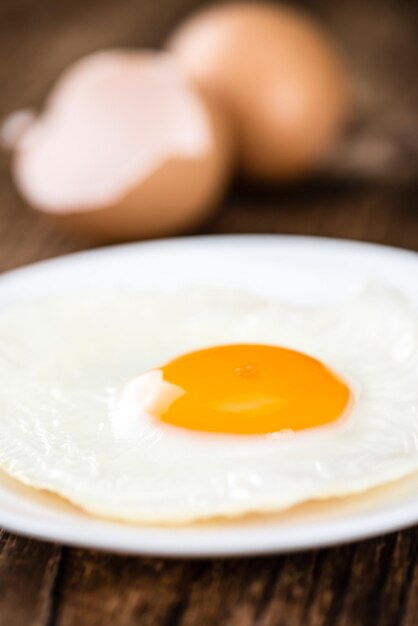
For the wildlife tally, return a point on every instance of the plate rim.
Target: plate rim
(314, 240)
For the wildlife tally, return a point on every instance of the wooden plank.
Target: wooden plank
(367, 583)
(28, 573)
(379, 214)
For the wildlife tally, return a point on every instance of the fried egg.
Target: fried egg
(174, 407)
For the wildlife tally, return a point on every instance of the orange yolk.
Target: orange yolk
(252, 389)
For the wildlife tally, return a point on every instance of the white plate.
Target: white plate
(296, 269)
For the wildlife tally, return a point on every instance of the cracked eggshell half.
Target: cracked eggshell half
(126, 148)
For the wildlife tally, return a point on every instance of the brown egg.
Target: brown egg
(126, 147)
(280, 76)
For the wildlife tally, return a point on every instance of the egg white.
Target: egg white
(64, 361)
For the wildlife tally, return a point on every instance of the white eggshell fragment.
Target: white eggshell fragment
(126, 147)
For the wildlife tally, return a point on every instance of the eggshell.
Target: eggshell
(280, 75)
(126, 148)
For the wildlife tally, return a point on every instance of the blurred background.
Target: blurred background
(368, 192)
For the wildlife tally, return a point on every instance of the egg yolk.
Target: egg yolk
(252, 389)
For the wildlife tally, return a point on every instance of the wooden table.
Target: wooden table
(373, 583)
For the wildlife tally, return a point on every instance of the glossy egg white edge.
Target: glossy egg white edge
(63, 361)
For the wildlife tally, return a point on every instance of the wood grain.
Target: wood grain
(362, 196)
